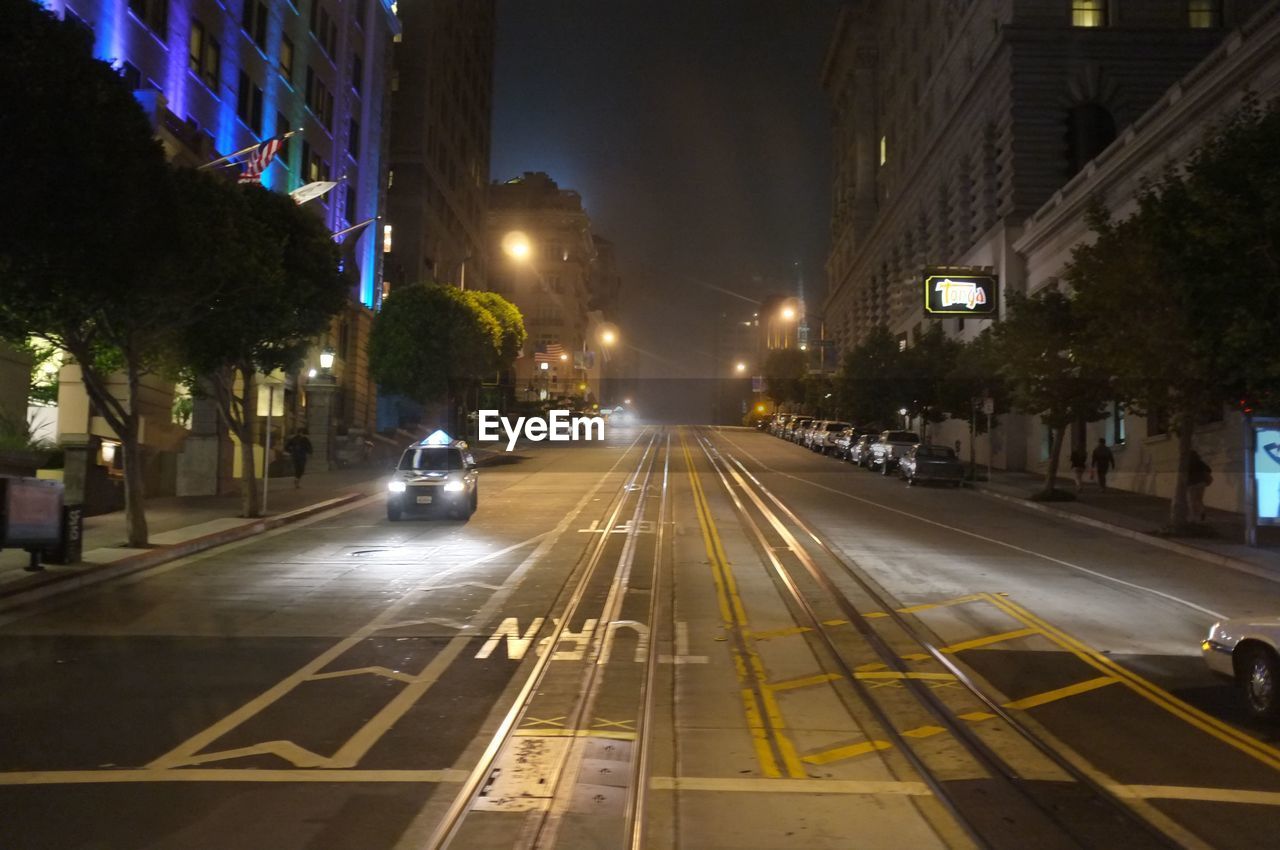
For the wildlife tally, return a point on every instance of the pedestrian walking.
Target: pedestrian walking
(299, 448)
(1079, 464)
(1103, 461)
(1199, 477)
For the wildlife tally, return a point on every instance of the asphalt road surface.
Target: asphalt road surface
(682, 638)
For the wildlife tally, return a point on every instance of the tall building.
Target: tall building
(218, 78)
(442, 97)
(553, 284)
(954, 121)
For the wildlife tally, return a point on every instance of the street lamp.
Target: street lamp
(608, 336)
(740, 367)
(516, 245)
(326, 359)
(789, 313)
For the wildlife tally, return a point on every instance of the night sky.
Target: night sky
(697, 133)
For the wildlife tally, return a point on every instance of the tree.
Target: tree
(87, 221)
(432, 343)
(784, 373)
(867, 385)
(1040, 348)
(925, 371)
(272, 295)
(510, 322)
(974, 378)
(1183, 294)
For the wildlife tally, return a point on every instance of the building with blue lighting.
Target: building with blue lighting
(216, 78)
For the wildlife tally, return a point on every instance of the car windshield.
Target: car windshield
(936, 452)
(902, 437)
(432, 459)
(837, 426)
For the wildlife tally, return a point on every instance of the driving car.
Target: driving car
(889, 448)
(1247, 651)
(823, 438)
(926, 462)
(436, 474)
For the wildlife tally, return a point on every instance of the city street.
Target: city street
(791, 651)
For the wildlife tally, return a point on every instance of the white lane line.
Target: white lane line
(106, 777)
(1132, 585)
(1205, 795)
(789, 786)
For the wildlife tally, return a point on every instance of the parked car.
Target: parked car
(823, 438)
(859, 452)
(1247, 651)
(931, 463)
(777, 423)
(796, 432)
(815, 428)
(843, 441)
(889, 448)
(437, 474)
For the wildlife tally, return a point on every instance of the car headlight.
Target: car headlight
(454, 487)
(395, 486)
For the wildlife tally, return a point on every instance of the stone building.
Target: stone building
(954, 122)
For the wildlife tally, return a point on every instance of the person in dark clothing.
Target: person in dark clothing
(1079, 463)
(1103, 461)
(1199, 477)
(299, 449)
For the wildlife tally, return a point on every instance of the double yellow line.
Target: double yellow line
(774, 749)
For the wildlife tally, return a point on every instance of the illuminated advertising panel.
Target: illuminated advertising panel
(1266, 471)
(959, 292)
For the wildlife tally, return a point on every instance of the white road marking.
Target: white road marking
(106, 777)
(789, 786)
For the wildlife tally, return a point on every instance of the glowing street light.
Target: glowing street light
(608, 337)
(788, 313)
(516, 245)
(740, 367)
(326, 359)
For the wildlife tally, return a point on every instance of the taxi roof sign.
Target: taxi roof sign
(437, 438)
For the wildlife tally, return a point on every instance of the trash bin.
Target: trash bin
(30, 515)
(71, 546)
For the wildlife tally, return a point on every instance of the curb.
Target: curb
(41, 585)
(1186, 549)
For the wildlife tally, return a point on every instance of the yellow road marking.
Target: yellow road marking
(806, 682)
(1061, 693)
(894, 674)
(575, 733)
(847, 752)
(531, 722)
(601, 723)
(789, 631)
(788, 786)
(924, 732)
(759, 705)
(1208, 795)
(365, 671)
(1208, 724)
(976, 716)
(164, 774)
(990, 639)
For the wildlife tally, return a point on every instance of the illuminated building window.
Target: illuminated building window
(286, 58)
(195, 47)
(204, 55)
(1088, 13)
(1204, 14)
(884, 149)
(153, 13)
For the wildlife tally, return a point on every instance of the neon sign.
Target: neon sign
(959, 292)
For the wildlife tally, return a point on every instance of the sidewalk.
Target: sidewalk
(1140, 516)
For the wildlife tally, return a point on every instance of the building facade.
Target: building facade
(954, 122)
(442, 101)
(554, 284)
(1248, 61)
(217, 78)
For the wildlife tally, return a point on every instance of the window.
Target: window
(884, 149)
(1088, 13)
(1204, 14)
(286, 58)
(349, 209)
(249, 104)
(313, 165)
(323, 27)
(254, 21)
(353, 139)
(319, 99)
(195, 47)
(153, 13)
(1090, 128)
(357, 72)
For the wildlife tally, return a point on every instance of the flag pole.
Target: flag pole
(244, 151)
(356, 226)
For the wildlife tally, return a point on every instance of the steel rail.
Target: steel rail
(447, 829)
(962, 731)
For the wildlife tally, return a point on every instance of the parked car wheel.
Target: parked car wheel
(1257, 672)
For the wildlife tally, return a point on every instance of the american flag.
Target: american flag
(259, 158)
(548, 352)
